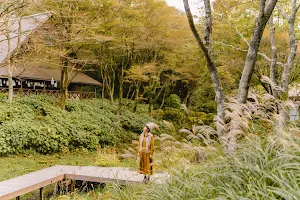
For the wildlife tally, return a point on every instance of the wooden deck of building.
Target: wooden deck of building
(14, 188)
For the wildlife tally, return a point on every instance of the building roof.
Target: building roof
(46, 74)
(19, 29)
(16, 30)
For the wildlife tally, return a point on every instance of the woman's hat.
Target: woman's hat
(152, 126)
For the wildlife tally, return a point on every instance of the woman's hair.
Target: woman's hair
(147, 128)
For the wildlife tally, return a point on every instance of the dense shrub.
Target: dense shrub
(174, 115)
(37, 123)
(173, 101)
(200, 117)
(183, 119)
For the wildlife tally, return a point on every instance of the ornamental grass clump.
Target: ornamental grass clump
(262, 168)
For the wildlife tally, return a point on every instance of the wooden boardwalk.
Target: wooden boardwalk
(13, 188)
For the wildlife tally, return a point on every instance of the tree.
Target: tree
(206, 49)
(262, 19)
(286, 73)
(70, 33)
(11, 16)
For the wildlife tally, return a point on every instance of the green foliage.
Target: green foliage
(182, 118)
(202, 100)
(38, 124)
(200, 117)
(174, 115)
(173, 101)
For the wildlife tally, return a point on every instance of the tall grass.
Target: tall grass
(264, 161)
(261, 169)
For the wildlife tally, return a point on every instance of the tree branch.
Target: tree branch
(229, 45)
(285, 16)
(297, 7)
(238, 32)
(246, 50)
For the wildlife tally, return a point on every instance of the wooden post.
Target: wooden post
(80, 91)
(73, 182)
(42, 193)
(18, 198)
(21, 87)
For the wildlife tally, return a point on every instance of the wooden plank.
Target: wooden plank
(18, 186)
(116, 175)
(30, 188)
(23, 184)
(103, 175)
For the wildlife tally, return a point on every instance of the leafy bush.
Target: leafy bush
(37, 123)
(173, 101)
(180, 117)
(174, 115)
(200, 117)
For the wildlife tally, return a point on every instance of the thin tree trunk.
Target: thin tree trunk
(103, 91)
(273, 65)
(64, 83)
(150, 105)
(260, 24)
(111, 84)
(163, 100)
(10, 75)
(220, 97)
(10, 84)
(290, 62)
(286, 74)
(136, 97)
(185, 101)
(112, 92)
(121, 88)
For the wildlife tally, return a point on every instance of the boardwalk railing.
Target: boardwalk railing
(53, 93)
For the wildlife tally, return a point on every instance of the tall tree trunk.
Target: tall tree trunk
(10, 74)
(150, 104)
(10, 86)
(110, 83)
(286, 74)
(290, 62)
(103, 91)
(64, 83)
(260, 24)
(164, 98)
(273, 65)
(218, 89)
(111, 91)
(137, 89)
(185, 101)
(121, 88)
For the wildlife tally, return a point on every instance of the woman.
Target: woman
(145, 150)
